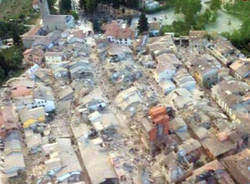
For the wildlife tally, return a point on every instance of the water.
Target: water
(205, 6)
(224, 22)
(167, 17)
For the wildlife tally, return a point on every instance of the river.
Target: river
(224, 22)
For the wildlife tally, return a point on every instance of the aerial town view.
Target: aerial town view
(124, 91)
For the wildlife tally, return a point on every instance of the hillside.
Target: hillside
(14, 9)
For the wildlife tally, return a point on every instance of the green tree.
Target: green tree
(7, 29)
(16, 34)
(143, 23)
(2, 74)
(116, 4)
(65, 6)
(75, 15)
(4, 30)
(91, 6)
(82, 4)
(51, 4)
(215, 4)
(205, 18)
(3, 62)
(16, 38)
(96, 26)
(189, 8)
(241, 38)
(132, 4)
(11, 59)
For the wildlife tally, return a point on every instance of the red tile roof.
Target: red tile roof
(20, 91)
(31, 32)
(115, 30)
(78, 33)
(34, 51)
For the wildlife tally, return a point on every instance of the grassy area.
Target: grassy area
(18, 9)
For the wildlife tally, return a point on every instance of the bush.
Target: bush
(8, 28)
(11, 60)
(180, 28)
(2, 74)
(75, 15)
(241, 38)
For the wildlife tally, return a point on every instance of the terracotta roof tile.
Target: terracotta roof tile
(20, 91)
(115, 30)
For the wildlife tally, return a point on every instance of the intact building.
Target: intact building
(55, 22)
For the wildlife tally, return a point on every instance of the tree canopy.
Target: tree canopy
(10, 59)
(82, 4)
(241, 38)
(8, 29)
(51, 4)
(189, 8)
(65, 6)
(215, 4)
(143, 23)
(132, 4)
(88, 5)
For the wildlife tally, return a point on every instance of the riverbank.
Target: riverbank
(225, 22)
(230, 20)
(240, 38)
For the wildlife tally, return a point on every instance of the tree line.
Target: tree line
(240, 38)
(193, 18)
(89, 6)
(10, 60)
(12, 30)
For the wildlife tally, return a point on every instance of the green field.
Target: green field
(14, 9)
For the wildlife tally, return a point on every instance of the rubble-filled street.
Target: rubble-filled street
(118, 108)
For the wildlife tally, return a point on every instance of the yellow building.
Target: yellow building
(30, 117)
